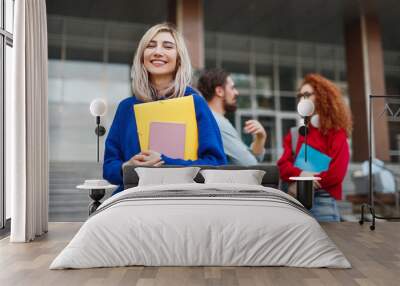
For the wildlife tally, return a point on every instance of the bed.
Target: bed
(197, 224)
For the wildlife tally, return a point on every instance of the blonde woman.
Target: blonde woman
(161, 70)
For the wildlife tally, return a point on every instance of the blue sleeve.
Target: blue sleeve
(113, 159)
(210, 150)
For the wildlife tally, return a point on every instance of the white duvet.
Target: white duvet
(206, 230)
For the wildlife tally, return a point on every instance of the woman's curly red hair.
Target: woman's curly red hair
(330, 106)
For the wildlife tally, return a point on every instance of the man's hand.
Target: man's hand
(255, 128)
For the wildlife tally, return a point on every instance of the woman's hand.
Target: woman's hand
(292, 190)
(316, 184)
(146, 158)
(151, 156)
(307, 174)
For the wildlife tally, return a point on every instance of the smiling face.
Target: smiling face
(160, 56)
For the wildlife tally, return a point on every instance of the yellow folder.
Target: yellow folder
(176, 110)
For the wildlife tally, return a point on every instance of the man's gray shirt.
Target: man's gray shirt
(236, 151)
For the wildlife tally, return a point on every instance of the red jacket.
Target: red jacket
(334, 144)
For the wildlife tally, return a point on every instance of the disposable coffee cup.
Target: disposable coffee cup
(305, 193)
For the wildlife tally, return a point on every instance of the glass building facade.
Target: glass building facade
(91, 62)
(91, 57)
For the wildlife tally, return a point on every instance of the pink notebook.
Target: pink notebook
(168, 138)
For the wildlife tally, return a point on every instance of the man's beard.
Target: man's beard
(229, 107)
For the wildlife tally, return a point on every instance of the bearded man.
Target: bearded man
(218, 88)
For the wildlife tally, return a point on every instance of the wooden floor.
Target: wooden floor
(375, 257)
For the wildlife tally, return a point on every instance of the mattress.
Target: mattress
(201, 225)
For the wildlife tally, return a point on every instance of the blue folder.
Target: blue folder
(316, 161)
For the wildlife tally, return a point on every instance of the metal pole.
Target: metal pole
(98, 136)
(305, 139)
(371, 205)
(371, 193)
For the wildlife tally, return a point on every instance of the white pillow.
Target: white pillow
(248, 177)
(166, 176)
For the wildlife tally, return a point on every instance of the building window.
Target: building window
(392, 82)
(267, 73)
(6, 43)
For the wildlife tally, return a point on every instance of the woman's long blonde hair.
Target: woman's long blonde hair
(141, 85)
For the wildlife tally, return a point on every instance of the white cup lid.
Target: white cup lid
(96, 183)
(305, 178)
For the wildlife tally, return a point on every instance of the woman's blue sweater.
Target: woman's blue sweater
(122, 141)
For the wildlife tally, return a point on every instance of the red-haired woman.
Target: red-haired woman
(328, 132)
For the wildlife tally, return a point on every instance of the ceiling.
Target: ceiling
(306, 20)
